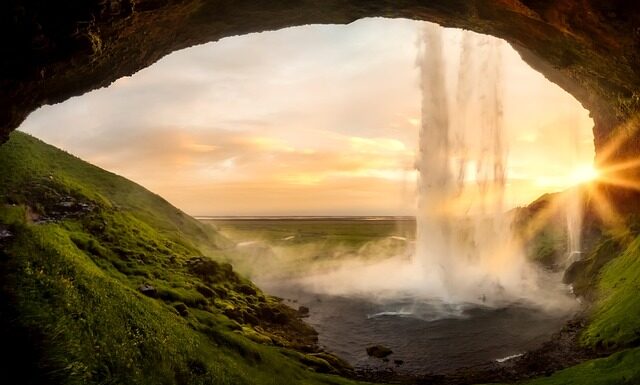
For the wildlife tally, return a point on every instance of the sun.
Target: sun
(584, 174)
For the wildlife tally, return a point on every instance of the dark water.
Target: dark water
(430, 337)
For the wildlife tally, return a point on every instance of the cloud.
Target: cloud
(191, 168)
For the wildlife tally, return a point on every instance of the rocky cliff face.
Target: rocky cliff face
(55, 50)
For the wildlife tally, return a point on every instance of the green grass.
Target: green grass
(615, 321)
(97, 330)
(70, 311)
(351, 233)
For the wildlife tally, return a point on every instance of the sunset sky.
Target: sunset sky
(314, 120)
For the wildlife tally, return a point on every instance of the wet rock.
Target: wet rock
(5, 236)
(182, 309)
(4, 233)
(379, 351)
(272, 315)
(148, 290)
(303, 311)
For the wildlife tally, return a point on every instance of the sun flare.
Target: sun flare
(584, 174)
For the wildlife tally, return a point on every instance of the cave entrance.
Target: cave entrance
(321, 121)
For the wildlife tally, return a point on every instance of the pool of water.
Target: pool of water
(428, 336)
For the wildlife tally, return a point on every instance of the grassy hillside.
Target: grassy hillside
(105, 282)
(615, 320)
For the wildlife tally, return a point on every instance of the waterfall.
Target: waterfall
(573, 210)
(574, 224)
(464, 244)
(434, 174)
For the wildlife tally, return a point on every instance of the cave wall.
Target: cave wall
(53, 50)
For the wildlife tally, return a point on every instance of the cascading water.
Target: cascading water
(464, 244)
(435, 178)
(573, 209)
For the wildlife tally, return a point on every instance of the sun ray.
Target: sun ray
(620, 134)
(621, 182)
(622, 166)
(604, 209)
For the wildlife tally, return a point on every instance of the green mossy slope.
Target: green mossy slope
(76, 244)
(615, 321)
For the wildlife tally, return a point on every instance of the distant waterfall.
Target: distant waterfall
(574, 224)
(573, 208)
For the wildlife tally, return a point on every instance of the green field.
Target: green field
(287, 247)
(347, 232)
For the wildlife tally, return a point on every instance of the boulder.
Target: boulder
(379, 351)
(211, 270)
(148, 290)
(202, 266)
(303, 311)
(182, 309)
(272, 315)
